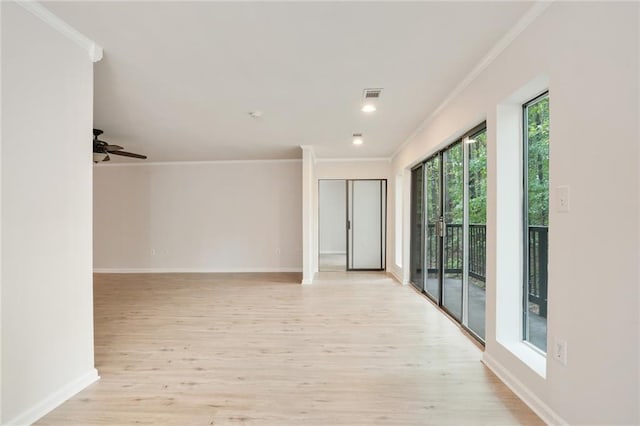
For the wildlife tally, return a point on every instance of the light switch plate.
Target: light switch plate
(562, 198)
(560, 351)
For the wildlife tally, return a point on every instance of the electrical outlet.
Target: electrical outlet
(560, 351)
(562, 198)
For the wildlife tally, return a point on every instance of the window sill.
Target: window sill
(530, 356)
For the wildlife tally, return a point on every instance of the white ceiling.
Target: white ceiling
(178, 79)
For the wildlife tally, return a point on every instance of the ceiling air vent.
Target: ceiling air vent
(372, 93)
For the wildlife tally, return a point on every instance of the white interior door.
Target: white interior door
(366, 216)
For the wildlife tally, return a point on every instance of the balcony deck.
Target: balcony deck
(453, 301)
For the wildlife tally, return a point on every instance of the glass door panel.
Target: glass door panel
(453, 212)
(417, 234)
(536, 226)
(433, 249)
(477, 231)
(366, 224)
(332, 225)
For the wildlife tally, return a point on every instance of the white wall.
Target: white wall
(332, 207)
(47, 301)
(309, 205)
(353, 169)
(214, 216)
(589, 51)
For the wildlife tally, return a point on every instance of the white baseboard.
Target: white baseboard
(189, 270)
(396, 277)
(543, 411)
(307, 280)
(55, 399)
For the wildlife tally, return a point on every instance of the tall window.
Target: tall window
(398, 232)
(536, 220)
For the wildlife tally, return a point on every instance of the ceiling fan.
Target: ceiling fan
(102, 149)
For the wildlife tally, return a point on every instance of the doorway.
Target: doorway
(352, 224)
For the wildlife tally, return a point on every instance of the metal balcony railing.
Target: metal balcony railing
(538, 257)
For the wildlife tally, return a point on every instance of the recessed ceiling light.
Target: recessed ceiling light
(357, 139)
(368, 107)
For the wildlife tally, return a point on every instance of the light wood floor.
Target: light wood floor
(217, 349)
(332, 262)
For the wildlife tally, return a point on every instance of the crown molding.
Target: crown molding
(352, 160)
(530, 16)
(309, 149)
(93, 49)
(195, 163)
(200, 162)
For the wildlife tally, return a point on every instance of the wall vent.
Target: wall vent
(371, 93)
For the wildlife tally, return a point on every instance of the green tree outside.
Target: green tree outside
(537, 174)
(538, 162)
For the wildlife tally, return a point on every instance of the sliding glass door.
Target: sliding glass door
(417, 242)
(332, 225)
(366, 223)
(448, 238)
(433, 229)
(453, 202)
(352, 224)
(476, 227)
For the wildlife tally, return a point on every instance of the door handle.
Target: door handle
(441, 228)
(348, 225)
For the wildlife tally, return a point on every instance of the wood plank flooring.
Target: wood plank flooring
(260, 349)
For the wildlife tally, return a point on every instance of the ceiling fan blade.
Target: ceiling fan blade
(129, 154)
(102, 149)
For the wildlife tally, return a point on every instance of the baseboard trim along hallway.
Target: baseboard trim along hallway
(54, 400)
(195, 270)
(540, 408)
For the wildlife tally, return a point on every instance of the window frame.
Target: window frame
(525, 223)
